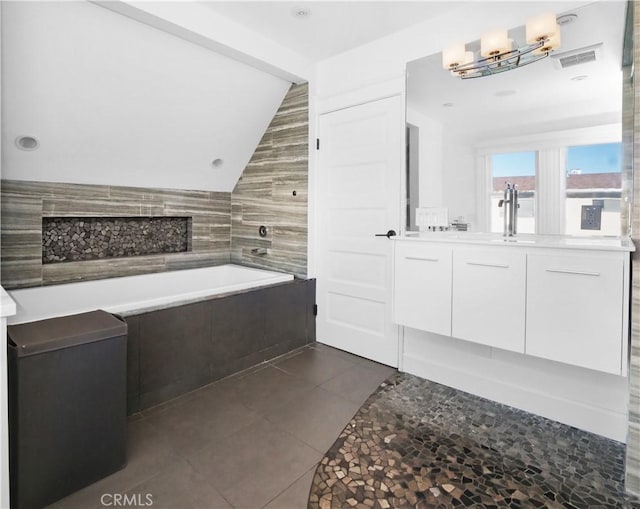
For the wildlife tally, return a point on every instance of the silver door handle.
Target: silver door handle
(496, 265)
(578, 272)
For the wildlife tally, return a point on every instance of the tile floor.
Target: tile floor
(418, 444)
(249, 441)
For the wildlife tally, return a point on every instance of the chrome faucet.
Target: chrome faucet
(511, 206)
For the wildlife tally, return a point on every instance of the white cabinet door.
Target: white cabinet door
(489, 297)
(574, 310)
(422, 298)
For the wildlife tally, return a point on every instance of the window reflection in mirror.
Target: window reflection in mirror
(594, 179)
(515, 168)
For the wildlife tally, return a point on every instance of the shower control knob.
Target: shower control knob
(262, 231)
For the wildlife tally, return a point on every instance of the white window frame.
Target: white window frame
(551, 149)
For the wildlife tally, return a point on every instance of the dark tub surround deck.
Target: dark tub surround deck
(415, 443)
(176, 350)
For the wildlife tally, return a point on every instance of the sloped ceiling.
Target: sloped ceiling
(114, 101)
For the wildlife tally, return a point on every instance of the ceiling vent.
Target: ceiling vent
(577, 56)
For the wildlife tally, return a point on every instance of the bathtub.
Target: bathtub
(138, 294)
(191, 327)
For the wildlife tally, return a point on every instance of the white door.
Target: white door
(361, 161)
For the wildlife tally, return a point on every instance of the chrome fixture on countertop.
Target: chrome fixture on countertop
(510, 202)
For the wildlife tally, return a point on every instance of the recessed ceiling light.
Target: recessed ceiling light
(504, 93)
(301, 12)
(27, 143)
(579, 78)
(566, 19)
(447, 105)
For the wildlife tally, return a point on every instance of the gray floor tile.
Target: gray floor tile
(269, 388)
(148, 454)
(295, 496)
(352, 358)
(316, 418)
(382, 370)
(356, 384)
(253, 466)
(214, 448)
(179, 487)
(314, 365)
(202, 418)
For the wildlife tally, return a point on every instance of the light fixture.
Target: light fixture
(497, 54)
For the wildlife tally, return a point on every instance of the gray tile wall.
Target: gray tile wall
(24, 204)
(225, 225)
(632, 480)
(264, 193)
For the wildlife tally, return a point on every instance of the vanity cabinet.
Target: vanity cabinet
(489, 297)
(543, 298)
(575, 310)
(423, 287)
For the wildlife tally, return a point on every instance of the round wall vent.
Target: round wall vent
(27, 143)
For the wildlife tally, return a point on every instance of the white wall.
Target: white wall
(430, 154)
(447, 168)
(460, 178)
(114, 101)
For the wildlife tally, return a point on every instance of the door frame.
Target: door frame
(322, 105)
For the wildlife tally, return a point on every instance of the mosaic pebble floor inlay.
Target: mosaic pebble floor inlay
(418, 444)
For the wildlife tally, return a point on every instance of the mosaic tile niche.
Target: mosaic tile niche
(27, 205)
(92, 238)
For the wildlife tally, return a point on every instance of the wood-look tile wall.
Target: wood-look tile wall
(224, 225)
(632, 478)
(24, 204)
(265, 196)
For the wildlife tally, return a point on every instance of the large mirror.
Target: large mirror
(553, 128)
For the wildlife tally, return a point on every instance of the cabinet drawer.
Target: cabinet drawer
(489, 297)
(423, 287)
(574, 310)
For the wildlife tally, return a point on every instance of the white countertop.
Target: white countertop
(7, 305)
(596, 243)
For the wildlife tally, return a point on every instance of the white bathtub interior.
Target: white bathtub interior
(136, 294)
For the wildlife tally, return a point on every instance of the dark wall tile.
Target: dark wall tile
(175, 350)
(133, 368)
(311, 317)
(237, 324)
(286, 313)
